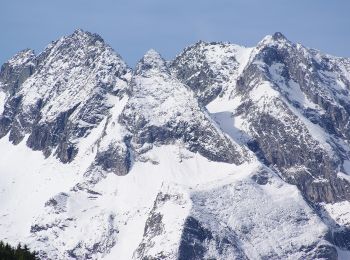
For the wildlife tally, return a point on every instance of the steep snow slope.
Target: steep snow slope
(134, 215)
(27, 180)
(226, 152)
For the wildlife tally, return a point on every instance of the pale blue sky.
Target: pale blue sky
(132, 27)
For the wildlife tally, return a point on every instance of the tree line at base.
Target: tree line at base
(20, 252)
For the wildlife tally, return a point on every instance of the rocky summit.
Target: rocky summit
(224, 152)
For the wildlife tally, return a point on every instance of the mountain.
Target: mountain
(225, 152)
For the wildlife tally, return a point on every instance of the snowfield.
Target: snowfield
(221, 196)
(225, 152)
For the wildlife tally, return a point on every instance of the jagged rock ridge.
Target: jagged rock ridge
(181, 159)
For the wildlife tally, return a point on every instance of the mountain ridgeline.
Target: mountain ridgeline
(224, 152)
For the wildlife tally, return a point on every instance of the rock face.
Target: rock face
(17, 70)
(280, 84)
(225, 152)
(162, 109)
(209, 68)
(58, 96)
(213, 232)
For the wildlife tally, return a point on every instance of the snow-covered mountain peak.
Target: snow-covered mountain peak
(74, 65)
(152, 62)
(210, 69)
(84, 36)
(277, 40)
(162, 109)
(16, 70)
(152, 55)
(78, 43)
(226, 152)
(71, 86)
(278, 36)
(22, 57)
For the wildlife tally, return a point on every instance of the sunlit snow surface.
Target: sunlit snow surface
(2, 101)
(221, 196)
(27, 180)
(55, 209)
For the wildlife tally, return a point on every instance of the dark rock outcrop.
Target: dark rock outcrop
(60, 95)
(162, 110)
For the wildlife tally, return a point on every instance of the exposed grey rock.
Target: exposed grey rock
(153, 228)
(58, 203)
(114, 159)
(207, 68)
(298, 155)
(65, 97)
(195, 242)
(15, 71)
(86, 251)
(303, 88)
(224, 216)
(162, 110)
(289, 105)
